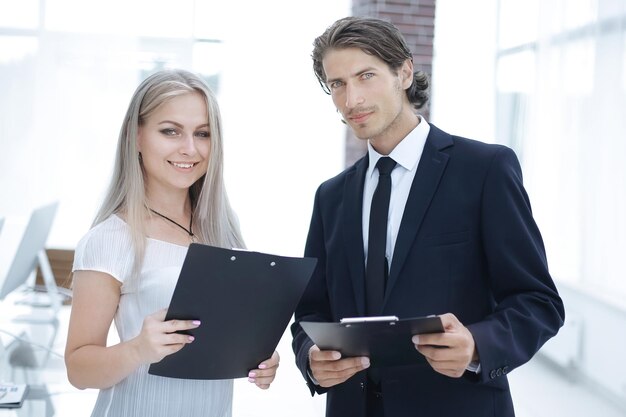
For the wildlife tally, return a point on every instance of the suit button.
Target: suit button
(505, 370)
(499, 372)
(492, 374)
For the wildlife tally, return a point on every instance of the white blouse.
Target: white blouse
(107, 247)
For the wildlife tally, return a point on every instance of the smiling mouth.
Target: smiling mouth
(186, 165)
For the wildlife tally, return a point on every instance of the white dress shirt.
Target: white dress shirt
(407, 154)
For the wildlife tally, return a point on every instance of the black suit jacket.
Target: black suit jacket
(468, 245)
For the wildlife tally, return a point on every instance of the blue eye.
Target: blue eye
(335, 84)
(169, 131)
(367, 75)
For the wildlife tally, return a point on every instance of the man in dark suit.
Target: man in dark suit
(458, 240)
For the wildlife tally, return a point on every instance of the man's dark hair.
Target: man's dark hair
(375, 37)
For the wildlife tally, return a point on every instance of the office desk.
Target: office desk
(37, 360)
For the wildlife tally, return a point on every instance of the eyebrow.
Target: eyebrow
(356, 74)
(181, 126)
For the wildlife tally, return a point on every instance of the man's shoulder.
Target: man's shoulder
(337, 182)
(467, 146)
(477, 145)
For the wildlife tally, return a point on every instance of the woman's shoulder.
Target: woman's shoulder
(109, 241)
(112, 227)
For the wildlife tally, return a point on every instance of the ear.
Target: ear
(406, 73)
(138, 141)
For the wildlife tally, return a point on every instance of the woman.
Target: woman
(167, 191)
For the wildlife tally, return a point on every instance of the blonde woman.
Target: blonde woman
(167, 191)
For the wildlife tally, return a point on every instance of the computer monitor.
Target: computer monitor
(28, 255)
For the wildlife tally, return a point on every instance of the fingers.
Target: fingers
(170, 336)
(454, 334)
(159, 338)
(447, 368)
(315, 354)
(449, 321)
(156, 320)
(329, 369)
(264, 375)
(450, 352)
(441, 354)
(181, 325)
(330, 373)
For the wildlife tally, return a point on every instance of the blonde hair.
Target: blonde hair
(215, 222)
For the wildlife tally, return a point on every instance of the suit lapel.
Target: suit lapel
(353, 230)
(429, 172)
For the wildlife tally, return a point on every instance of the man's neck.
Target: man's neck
(388, 140)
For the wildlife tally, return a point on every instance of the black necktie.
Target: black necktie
(377, 270)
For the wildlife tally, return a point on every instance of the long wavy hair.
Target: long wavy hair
(375, 37)
(215, 222)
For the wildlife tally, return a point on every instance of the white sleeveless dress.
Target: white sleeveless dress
(107, 248)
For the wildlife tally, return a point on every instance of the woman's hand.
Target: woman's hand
(264, 375)
(158, 338)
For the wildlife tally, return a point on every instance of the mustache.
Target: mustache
(355, 111)
(359, 110)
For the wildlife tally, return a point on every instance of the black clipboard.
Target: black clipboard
(386, 342)
(244, 300)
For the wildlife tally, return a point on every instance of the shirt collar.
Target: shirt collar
(407, 153)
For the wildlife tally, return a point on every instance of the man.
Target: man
(459, 241)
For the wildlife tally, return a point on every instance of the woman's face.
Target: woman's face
(175, 144)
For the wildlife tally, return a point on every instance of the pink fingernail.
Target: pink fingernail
(191, 338)
(252, 374)
(251, 380)
(262, 366)
(196, 322)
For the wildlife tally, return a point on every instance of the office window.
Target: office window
(23, 14)
(624, 62)
(66, 78)
(17, 48)
(152, 18)
(561, 98)
(518, 22)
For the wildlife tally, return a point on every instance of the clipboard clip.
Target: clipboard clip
(234, 258)
(353, 320)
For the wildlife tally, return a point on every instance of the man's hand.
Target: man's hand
(329, 369)
(448, 353)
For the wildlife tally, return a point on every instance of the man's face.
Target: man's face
(369, 95)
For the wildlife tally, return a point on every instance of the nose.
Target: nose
(354, 96)
(188, 145)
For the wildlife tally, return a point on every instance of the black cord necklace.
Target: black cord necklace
(189, 232)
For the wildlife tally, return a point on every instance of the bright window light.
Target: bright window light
(516, 73)
(22, 14)
(17, 48)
